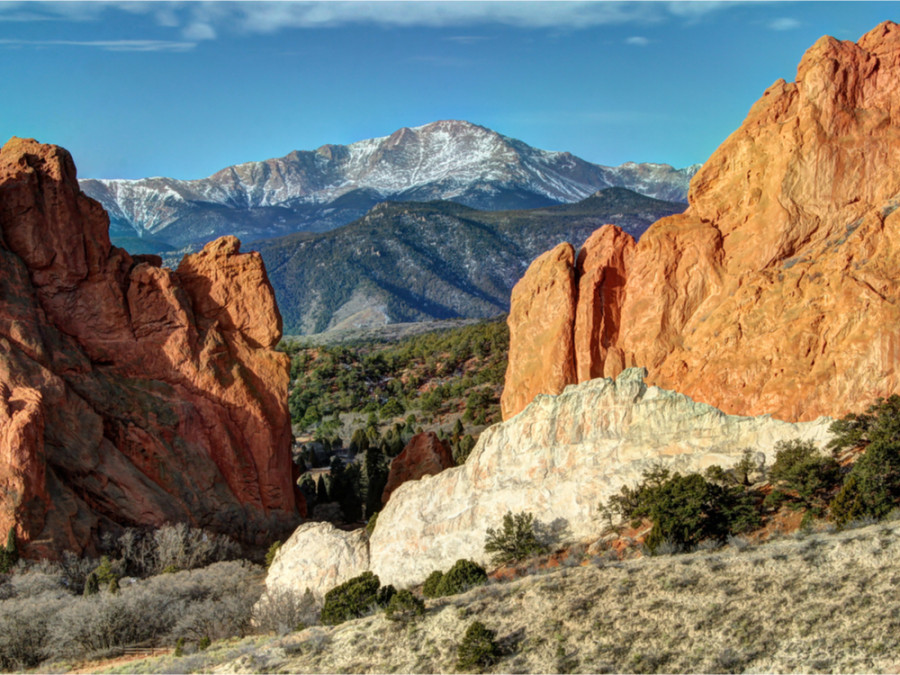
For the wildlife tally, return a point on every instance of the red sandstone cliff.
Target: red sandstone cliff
(778, 290)
(130, 394)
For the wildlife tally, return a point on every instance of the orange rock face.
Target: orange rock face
(541, 316)
(424, 455)
(778, 290)
(130, 394)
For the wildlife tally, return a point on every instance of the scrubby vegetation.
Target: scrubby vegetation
(801, 603)
(478, 648)
(361, 404)
(41, 617)
(404, 607)
(461, 577)
(515, 540)
(872, 487)
(688, 509)
(426, 373)
(355, 598)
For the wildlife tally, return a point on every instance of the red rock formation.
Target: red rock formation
(130, 394)
(424, 455)
(600, 270)
(542, 312)
(778, 290)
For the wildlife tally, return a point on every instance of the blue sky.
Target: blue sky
(138, 89)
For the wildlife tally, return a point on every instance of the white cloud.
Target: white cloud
(272, 16)
(784, 23)
(637, 41)
(207, 20)
(199, 31)
(108, 45)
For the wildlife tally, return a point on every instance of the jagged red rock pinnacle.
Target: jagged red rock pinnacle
(130, 394)
(778, 290)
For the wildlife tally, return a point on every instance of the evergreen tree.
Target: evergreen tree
(322, 495)
(373, 479)
(9, 556)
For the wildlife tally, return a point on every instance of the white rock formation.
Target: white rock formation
(559, 459)
(318, 557)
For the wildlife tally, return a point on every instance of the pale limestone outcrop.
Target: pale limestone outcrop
(318, 557)
(559, 459)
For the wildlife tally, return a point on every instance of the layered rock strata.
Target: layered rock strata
(778, 290)
(559, 459)
(424, 455)
(130, 394)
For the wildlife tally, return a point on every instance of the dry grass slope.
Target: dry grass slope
(810, 603)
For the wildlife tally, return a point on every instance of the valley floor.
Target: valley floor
(803, 603)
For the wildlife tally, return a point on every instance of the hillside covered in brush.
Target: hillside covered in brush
(431, 260)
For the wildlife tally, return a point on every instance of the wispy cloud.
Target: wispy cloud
(784, 23)
(107, 45)
(206, 20)
(466, 39)
(637, 41)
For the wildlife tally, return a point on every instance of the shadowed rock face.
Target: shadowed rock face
(777, 290)
(130, 394)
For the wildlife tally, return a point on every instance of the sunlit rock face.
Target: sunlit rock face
(317, 557)
(777, 290)
(130, 394)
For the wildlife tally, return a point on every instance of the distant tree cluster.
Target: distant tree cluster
(389, 379)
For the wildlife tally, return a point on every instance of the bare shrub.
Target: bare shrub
(185, 548)
(213, 602)
(76, 571)
(226, 606)
(284, 611)
(33, 583)
(25, 625)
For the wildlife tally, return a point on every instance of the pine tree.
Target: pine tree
(322, 491)
(9, 556)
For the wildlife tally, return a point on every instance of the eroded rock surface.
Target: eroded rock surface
(542, 312)
(130, 394)
(778, 290)
(424, 455)
(317, 557)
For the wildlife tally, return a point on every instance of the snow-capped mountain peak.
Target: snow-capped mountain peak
(448, 159)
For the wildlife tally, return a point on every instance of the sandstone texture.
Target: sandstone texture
(777, 290)
(130, 394)
(424, 455)
(543, 353)
(317, 557)
(559, 459)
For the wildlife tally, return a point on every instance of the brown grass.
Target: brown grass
(803, 603)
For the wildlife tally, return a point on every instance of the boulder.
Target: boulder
(317, 557)
(424, 455)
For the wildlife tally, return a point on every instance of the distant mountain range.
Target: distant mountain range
(433, 260)
(316, 191)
